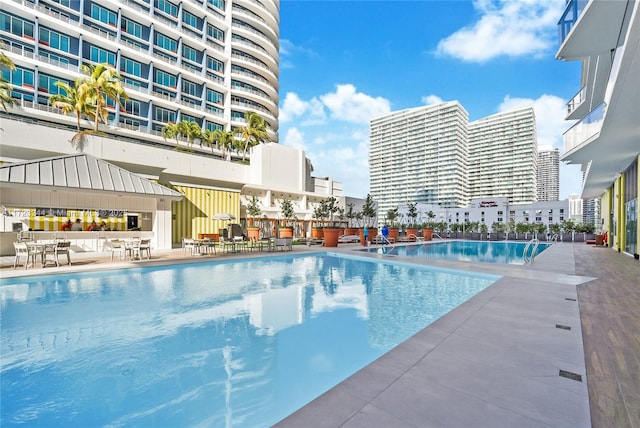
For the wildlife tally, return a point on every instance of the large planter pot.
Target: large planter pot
(372, 232)
(427, 234)
(331, 235)
(351, 231)
(393, 234)
(253, 233)
(412, 234)
(285, 232)
(317, 233)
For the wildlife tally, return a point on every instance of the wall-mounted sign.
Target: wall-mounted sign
(110, 213)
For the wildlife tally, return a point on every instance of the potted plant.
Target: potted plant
(511, 229)
(392, 215)
(483, 230)
(497, 231)
(540, 229)
(427, 228)
(253, 212)
(285, 230)
(351, 216)
(412, 227)
(319, 216)
(568, 227)
(368, 219)
(332, 231)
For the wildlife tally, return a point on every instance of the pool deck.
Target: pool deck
(497, 359)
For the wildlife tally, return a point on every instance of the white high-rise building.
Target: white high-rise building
(503, 156)
(548, 175)
(207, 62)
(420, 155)
(433, 155)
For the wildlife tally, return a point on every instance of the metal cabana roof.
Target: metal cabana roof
(81, 172)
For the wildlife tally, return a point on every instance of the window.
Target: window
(165, 79)
(19, 77)
(166, 42)
(215, 97)
(189, 53)
(561, 210)
(132, 107)
(214, 64)
(133, 28)
(499, 212)
(130, 66)
(16, 26)
(214, 110)
(131, 82)
(164, 115)
(190, 19)
(53, 39)
(211, 126)
(103, 15)
(47, 84)
(189, 88)
(66, 3)
(101, 56)
(167, 7)
(215, 33)
(217, 3)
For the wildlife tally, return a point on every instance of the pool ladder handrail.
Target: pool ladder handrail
(436, 235)
(533, 244)
(554, 238)
(386, 242)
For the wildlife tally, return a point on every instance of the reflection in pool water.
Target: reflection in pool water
(240, 343)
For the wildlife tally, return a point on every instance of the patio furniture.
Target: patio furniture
(21, 252)
(54, 251)
(145, 247)
(117, 246)
(284, 244)
(188, 245)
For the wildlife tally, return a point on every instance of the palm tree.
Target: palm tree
(190, 130)
(103, 82)
(254, 132)
(225, 140)
(170, 130)
(5, 87)
(71, 100)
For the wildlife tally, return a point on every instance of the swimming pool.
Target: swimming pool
(238, 343)
(470, 251)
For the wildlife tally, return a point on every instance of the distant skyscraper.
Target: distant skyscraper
(420, 155)
(503, 156)
(575, 208)
(548, 175)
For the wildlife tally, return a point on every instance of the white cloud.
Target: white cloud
(293, 107)
(294, 138)
(349, 105)
(431, 100)
(506, 28)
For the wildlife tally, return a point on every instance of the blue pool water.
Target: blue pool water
(471, 251)
(242, 343)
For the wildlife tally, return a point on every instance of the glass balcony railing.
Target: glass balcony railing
(577, 100)
(587, 128)
(570, 16)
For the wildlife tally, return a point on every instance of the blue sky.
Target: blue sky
(342, 62)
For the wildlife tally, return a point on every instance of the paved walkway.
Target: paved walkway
(555, 344)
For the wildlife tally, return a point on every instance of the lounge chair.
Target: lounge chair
(348, 239)
(55, 251)
(21, 252)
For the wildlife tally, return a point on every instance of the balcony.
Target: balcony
(576, 101)
(572, 12)
(586, 129)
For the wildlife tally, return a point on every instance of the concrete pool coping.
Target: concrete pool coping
(493, 361)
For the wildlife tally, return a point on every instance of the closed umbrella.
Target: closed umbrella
(223, 216)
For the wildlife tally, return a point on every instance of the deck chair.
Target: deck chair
(55, 250)
(117, 246)
(188, 245)
(21, 252)
(145, 248)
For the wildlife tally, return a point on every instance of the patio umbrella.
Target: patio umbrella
(223, 216)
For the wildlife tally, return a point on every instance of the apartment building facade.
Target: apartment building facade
(503, 156)
(433, 155)
(605, 140)
(208, 61)
(420, 155)
(548, 180)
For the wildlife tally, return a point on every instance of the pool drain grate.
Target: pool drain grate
(571, 375)
(563, 327)
(570, 299)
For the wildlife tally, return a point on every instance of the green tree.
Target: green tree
(412, 213)
(392, 216)
(171, 131)
(102, 82)
(72, 101)
(288, 213)
(225, 140)
(369, 211)
(253, 133)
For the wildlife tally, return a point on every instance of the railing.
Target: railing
(533, 245)
(587, 128)
(577, 100)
